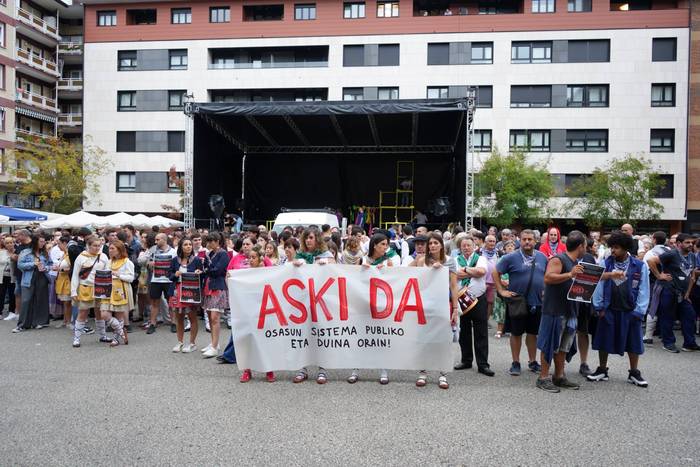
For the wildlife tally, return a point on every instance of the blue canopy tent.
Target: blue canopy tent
(20, 214)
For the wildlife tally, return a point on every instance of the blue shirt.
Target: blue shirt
(519, 275)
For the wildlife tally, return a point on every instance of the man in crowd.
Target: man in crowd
(23, 241)
(629, 230)
(420, 243)
(676, 280)
(557, 333)
(160, 254)
(488, 251)
(471, 271)
(507, 234)
(525, 268)
(421, 231)
(621, 302)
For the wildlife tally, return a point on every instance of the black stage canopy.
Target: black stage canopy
(325, 153)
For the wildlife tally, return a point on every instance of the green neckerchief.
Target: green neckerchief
(462, 261)
(308, 257)
(389, 254)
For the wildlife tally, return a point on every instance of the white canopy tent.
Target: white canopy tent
(115, 220)
(141, 221)
(166, 222)
(72, 221)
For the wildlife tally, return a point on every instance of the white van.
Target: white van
(304, 218)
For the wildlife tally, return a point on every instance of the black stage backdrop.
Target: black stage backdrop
(309, 181)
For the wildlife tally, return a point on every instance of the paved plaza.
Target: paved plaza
(143, 405)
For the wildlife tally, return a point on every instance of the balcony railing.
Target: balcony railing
(70, 84)
(70, 119)
(37, 23)
(37, 100)
(70, 48)
(25, 137)
(43, 64)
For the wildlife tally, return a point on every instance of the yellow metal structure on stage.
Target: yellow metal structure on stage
(396, 207)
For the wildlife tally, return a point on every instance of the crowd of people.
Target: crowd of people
(518, 280)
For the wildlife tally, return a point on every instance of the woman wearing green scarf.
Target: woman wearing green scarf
(313, 250)
(379, 255)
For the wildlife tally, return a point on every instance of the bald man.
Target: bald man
(629, 230)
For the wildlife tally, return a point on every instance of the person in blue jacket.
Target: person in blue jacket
(185, 262)
(620, 303)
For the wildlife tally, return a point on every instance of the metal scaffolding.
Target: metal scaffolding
(187, 206)
(469, 179)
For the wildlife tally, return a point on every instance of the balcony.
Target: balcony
(70, 119)
(25, 57)
(70, 48)
(36, 100)
(70, 84)
(27, 137)
(36, 27)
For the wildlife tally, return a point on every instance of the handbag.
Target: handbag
(517, 306)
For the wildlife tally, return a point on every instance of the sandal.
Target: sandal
(321, 378)
(422, 380)
(352, 379)
(114, 343)
(300, 377)
(442, 382)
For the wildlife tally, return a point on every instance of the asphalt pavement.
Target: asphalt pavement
(142, 404)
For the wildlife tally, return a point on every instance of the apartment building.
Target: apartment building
(38, 91)
(576, 82)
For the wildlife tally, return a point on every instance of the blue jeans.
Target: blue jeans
(229, 352)
(669, 308)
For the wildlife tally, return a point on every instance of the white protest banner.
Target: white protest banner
(340, 316)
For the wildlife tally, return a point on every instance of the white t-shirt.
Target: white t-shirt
(477, 285)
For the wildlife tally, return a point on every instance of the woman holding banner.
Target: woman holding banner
(186, 262)
(313, 250)
(436, 258)
(121, 298)
(82, 287)
(215, 292)
(256, 259)
(379, 255)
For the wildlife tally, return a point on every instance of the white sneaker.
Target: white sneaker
(17, 330)
(11, 317)
(178, 347)
(189, 348)
(211, 352)
(206, 348)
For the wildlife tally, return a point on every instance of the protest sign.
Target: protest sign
(584, 284)
(340, 316)
(191, 291)
(103, 284)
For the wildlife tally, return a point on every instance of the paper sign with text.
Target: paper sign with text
(340, 316)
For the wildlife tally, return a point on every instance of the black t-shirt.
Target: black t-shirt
(679, 267)
(18, 249)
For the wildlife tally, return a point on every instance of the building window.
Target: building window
(438, 92)
(387, 93)
(591, 95)
(543, 6)
(2, 35)
(439, 53)
(388, 55)
(531, 52)
(126, 100)
(663, 140)
(589, 51)
(531, 96)
(176, 100)
(126, 181)
(263, 12)
(484, 96)
(181, 15)
(310, 95)
(304, 12)
(353, 94)
(107, 18)
(387, 9)
(127, 60)
(220, 14)
(175, 183)
(667, 190)
(379, 55)
(178, 59)
(176, 141)
(354, 10)
(529, 140)
(663, 95)
(140, 17)
(579, 6)
(587, 140)
(663, 49)
(482, 140)
(2, 77)
(126, 141)
(482, 52)
(2, 121)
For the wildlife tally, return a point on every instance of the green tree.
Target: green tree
(61, 173)
(509, 188)
(621, 191)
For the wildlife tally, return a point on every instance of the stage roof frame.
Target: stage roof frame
(429, 126)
